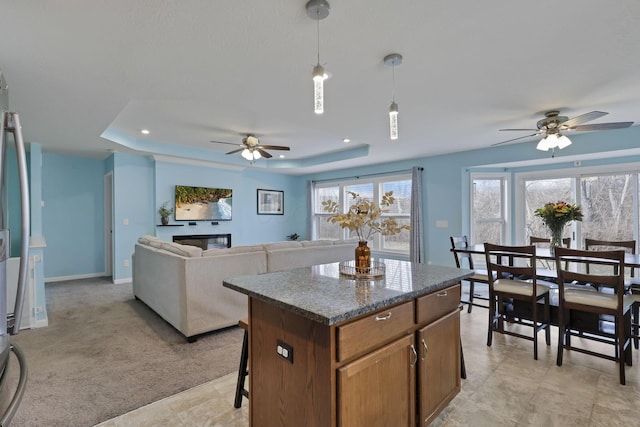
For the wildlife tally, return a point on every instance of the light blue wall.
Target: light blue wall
(141, 185)
(246, 226)
(73, 215)
(446, 178)
(133, 190)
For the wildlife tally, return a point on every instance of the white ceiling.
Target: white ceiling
(192, 71)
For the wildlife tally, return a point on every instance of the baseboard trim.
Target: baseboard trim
(41, 324)
(74, 277)
(122, 281)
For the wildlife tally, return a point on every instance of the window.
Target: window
(609, 199)
(488, 209)
(370, 189)
(536, 194)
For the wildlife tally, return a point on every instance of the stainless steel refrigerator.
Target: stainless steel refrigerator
(11, 134)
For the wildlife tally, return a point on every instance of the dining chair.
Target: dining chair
(575, 302)
(465, 260)
(506, 265)
(632, 286)
(629, 246)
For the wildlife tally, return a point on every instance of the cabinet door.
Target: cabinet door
(438, 346)
(379, 389)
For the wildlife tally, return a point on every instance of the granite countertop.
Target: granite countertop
(321, 294)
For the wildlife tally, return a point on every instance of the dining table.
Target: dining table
(630, 260)
(548, 276)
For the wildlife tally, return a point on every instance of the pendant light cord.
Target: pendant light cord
(393, 82)
(318, 21)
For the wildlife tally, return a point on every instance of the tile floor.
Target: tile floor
(504, 387)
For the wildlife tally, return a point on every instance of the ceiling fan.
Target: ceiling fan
(554, 125)
(252, 149)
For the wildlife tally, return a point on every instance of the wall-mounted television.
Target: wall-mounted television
(203, 203)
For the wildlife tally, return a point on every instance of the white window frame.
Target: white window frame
(575, 175)
(377, 181)
(505, 220)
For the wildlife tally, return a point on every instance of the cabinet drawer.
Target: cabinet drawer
(374, 330)
(433, 306)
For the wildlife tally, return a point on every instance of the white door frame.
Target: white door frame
(108, 224)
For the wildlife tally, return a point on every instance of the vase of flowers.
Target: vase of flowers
(555, 216)
(364, 218)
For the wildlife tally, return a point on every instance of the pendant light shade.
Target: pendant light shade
(318, 9)
(392, 60)
(393, 120)
(318, 89)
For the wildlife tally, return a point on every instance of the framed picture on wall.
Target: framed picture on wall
(270, 202)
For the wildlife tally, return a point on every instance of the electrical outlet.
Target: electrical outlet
(285, 351)
(39, 310)
(126, 263)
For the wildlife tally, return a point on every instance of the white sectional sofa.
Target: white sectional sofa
(183, 284)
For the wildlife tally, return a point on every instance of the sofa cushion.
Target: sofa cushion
(145, 239)
(184, 250)
(281, 245)
(233, 250)
(323, 242)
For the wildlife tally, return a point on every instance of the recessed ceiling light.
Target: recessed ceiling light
(346, 140)
(145, 131)
(282, 156)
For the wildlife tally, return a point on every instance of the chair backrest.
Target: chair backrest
(461, 242)
(608, 245)
(517, 262)
(628, 245)
(608, 274)
(534, 240)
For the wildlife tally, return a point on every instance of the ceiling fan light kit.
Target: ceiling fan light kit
(318, 9)
(552, 141)
(554, 124)
(393, 60)
(251, 149)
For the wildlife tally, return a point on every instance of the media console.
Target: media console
(205, 241)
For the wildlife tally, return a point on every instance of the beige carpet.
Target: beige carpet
(105, 353)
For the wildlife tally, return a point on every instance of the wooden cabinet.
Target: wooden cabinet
(383, 369)
(378, 389)
(438, 346)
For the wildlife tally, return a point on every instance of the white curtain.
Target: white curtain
(311, 229)
(416, 243)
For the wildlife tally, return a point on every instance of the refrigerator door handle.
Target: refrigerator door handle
(12, 123)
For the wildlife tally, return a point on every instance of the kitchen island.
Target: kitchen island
(329, 350)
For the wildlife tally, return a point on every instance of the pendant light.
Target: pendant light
(318, 9)
(392, 60)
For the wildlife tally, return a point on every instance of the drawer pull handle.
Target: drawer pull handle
(426, 349)
(414, 353)
(387, 317)
(442, 294)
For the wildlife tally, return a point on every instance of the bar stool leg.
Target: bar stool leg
(242, 370)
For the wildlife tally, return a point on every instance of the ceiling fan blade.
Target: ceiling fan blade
(235, 151)
(587, 117)
(520, 130)
(515, 139)
(274, 147)
(602, 126)
(263, 153)
(228, 143)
